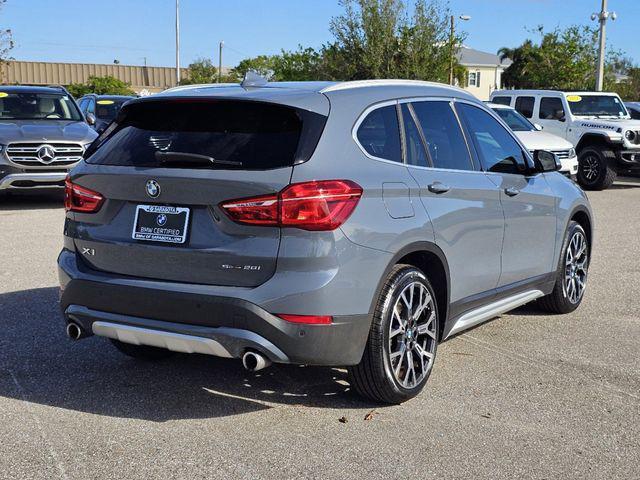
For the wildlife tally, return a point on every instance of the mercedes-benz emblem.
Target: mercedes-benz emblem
(162, 219)
(153, 188)
(46, 154)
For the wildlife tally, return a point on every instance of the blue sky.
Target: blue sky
(129, 30)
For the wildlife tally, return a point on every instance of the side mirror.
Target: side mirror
(537, 126)
(546, 161)
(91, 119)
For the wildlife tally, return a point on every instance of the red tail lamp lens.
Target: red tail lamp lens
(317, 205)
(81, 199)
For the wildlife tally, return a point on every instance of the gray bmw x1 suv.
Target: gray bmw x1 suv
(354, 224)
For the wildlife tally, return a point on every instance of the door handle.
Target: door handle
(511, 191)
(438, 187)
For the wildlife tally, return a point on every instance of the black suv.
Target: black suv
(100, 110)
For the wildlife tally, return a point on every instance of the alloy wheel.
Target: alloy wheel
(590, 166)
(412, 335)
(576, 264)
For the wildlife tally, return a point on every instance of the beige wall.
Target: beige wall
(153, 79)
(490, 78)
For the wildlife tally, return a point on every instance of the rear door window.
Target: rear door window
(221, 134)
(525, 105)
(379, 134)
(445, 141)
(551, 108)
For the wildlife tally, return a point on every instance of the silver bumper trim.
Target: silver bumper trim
(44, 180)
(157, 338)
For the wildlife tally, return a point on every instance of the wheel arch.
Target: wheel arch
(581, 215)
(594, 139)
(429, 258)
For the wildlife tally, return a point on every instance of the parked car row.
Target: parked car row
(598, 125)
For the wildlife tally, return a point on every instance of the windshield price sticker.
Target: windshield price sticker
(573, 98)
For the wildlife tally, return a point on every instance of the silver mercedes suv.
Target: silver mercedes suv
(42, 136)
(355, 224)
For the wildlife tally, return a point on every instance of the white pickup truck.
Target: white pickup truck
(596, 123)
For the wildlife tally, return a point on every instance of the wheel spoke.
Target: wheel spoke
(423, 328)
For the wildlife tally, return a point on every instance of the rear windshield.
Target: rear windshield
(227, 134)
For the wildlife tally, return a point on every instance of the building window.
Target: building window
(474, 79)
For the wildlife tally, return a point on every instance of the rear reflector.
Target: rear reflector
(81, 199)
(317, 205)
(307, 319)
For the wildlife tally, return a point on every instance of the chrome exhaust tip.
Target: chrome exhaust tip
(74, 331)
(254, 361)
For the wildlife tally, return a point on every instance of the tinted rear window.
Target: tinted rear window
(525, 106)
(379, 134)
(236, 134)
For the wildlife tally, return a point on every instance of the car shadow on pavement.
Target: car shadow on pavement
(38, 364)
(31, 201)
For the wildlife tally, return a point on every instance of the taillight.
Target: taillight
(81, 199)
(307, 319)
(317, 205)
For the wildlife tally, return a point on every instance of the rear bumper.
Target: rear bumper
(184, 321)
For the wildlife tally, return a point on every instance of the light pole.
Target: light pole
(220, 62)
(452, 46)
(177, 41)
(602, 19)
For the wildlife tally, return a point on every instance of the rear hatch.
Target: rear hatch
(163, 169)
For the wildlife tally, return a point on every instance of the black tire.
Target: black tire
(142, 352)
(596, 168)
(373, 377)
(558, 301)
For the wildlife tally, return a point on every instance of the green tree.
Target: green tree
(203, 71)
(564, 59)
(628, 88)
(384, 39)
(299, 65)
(263, 65)
(102, 86)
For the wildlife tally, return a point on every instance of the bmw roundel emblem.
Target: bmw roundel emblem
(161, 220)
(153, 188)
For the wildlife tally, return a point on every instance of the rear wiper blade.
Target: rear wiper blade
(195, 159)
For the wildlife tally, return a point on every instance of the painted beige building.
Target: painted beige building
(484, 71)
(142, 79)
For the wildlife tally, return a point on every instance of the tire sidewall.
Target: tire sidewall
(571, 230)
(603, 168)
(404, 278)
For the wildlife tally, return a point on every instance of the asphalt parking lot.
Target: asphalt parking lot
(523, 396)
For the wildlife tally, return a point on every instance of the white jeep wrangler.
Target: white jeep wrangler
(596, 123)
